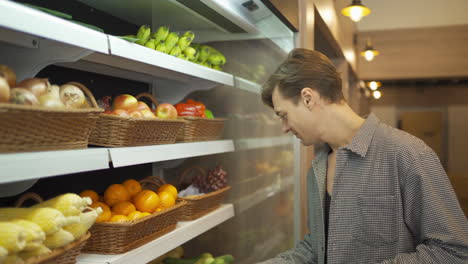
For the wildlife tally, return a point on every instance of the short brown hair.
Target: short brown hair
(304, 68)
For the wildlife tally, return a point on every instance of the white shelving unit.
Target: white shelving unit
(255, 143)
(247, 85)
(138, 155)
(184, 232)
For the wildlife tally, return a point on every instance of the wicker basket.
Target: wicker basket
(200, 205)
(37, 128)
(118, 131)
(200, 129)
(63, 255)
(120, 237)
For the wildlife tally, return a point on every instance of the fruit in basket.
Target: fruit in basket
(105, 103)
(38, 86)
(205, 52)
(123, 208)
(214, 180)
(184, 42)
(23, 96)
(118, 218)
(143, 34)
(169, 188)
(166, 111)
(175, 51)
(34, 234)
(38, 251)
(189, 52)
(146, 201)
(106, 212)
(58, 239)
(94, 196)
(71, 95)
(184, 109)
(120, 112)
(171, 40)
(134, 215)
(48, 100)
(9, 75)
(189, 34)
(87, 219)
(166, 200)
(160, 34)
(69, 204)
(4, 90)
(133, 186)
(135, 113)
(116, 193)
(126, 102)
(142, 105)
(147, 113)
(209, 114)
(13, 237)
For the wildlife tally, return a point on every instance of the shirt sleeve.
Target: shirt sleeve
(432, 213)
(302, 254)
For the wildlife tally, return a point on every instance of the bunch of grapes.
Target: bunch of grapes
(214, 180)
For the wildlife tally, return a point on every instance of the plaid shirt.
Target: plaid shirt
(391, 203)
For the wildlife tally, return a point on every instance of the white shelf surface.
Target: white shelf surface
(141, 59)
(262, 194)
(33, 165)
(24, 19)
(184, 232)
(254, 143)
(247, 85)
(137, 155)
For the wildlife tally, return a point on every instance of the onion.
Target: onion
(8, 74)
(48, 100)
(23, 96)
(54, 90)
(72, 96)
(4, 90)
(37, 86)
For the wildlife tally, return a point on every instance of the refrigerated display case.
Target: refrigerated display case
(256, 220)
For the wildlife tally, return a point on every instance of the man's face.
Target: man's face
(298, 119)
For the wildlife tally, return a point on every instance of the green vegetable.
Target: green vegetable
(227, 258)
(209, 114)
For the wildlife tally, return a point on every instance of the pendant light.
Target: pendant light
(356, 11)
(373, 85)
(369, 53)
(377, 94)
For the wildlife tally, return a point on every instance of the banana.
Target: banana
(160, 34)
(216, 67)
(182, 56)
(143, 34)
(217, 58)
(190, 52)
(184, 42)
(175, 51)
(189, 34)
(205, 52)
(150, 44)
(171, 40)
(161, 47)
(206, 64)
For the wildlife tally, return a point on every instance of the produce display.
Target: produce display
(35, 231)
(193, 108)
(128, 201)
(215, 179)
(128, 106)
(40, 92)
(175, 256)
(180, 46)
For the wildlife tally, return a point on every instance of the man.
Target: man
(375, 193)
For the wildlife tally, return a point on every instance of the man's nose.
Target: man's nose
(286, 128)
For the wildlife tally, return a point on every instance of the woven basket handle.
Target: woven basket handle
(26, 196)
(187, 171)
(87, 92)
(152, 181)
(149, 96)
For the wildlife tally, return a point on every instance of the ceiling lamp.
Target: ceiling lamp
(369, 53)
(377, 94)
(374, 85)
(356, 11)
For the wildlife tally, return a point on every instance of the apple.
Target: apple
(147, 113)
(141, 106)
(120, 112)
(125, 102)
(166, 111)
(136, 113)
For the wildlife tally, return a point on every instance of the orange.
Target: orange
(166, 200)
(91, 194)
(118, 218)
(143, 214)
(106, 212)
(132, 186)
(134, 215)
(116, 193)
(123, 208)
(170, 189)
(146, 201)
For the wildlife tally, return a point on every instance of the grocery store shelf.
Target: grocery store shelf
(33, 165)
(184, 232)
(261, 195)
(254, 143)
(247, 85)
(137, 155)
(24, 19)
(138, 58)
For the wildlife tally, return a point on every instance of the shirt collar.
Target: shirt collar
(361, 141)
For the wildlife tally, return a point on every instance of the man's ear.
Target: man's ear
(309, 97)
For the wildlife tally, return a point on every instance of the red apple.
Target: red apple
(120, 112)
(147, 113)
(136, 113)
(125, 102)
(166, 111)
(142, 105)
